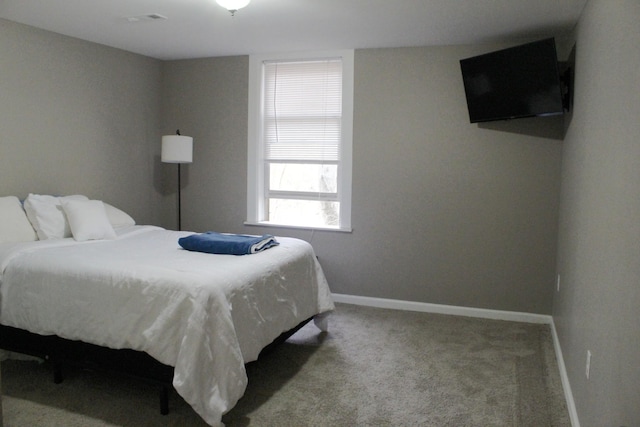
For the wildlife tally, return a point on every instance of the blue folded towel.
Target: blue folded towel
(227, 244)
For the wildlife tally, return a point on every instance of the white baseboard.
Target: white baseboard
(566, 386)
(483, 313)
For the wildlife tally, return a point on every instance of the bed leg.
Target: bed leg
(164, 400)
(57, 373)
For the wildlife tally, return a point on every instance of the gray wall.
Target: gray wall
(77, 117)
(207, 100)
(443, 211)
(597, 308)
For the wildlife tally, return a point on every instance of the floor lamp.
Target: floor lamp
(177, 149)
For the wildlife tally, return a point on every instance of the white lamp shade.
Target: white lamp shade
(177, 149)
(233, 4)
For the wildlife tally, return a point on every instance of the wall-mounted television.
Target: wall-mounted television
(521, 81)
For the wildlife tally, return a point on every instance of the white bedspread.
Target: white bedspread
(206, 315)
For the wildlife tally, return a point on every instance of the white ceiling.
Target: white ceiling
(201, 28)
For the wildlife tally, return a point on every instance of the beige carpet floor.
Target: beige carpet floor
(375, 367)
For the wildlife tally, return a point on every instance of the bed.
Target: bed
(132, 287)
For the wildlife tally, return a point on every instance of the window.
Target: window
(300, 130)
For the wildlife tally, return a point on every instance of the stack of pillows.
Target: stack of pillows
(44, 217)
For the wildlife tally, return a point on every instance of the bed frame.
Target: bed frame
(61, 353)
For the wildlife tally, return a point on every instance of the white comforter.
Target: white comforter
(206, 315)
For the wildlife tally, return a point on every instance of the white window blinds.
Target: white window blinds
(302, 110)
(300, 140)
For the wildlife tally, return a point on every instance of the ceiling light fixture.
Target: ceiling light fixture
(233, 5)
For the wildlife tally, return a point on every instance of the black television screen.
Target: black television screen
(521, 81)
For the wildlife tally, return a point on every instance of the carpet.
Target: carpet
(375, 367)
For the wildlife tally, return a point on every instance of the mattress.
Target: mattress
(206, 315)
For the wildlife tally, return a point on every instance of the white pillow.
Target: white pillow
(88, 220)
(14, 224)
(47, 217)
(117, 217)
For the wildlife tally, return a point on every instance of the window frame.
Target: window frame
(256, 191)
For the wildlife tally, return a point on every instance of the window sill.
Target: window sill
(297, 227)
